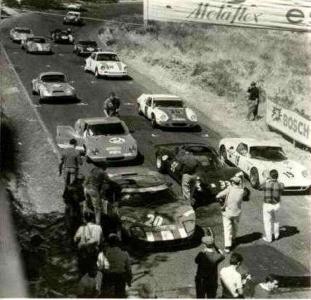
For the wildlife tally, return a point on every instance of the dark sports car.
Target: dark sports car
(148, 210)
(211, 174)
(85, 47)
(62, 36)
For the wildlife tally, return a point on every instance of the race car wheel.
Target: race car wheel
(254, 178)
(153, 122)
(223, 153)
(160, 164)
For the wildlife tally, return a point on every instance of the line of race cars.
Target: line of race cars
(148, 209)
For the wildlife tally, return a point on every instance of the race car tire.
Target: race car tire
(254, 178)
(160, 165)
(153, 122)
(140, 112)
(223, 153)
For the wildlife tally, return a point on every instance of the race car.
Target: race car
(73, 18)
(85, 47)
(104, 139)
(211, 174)
(148, 209)
(73, 6)
(17, 34)
(51, 85)
(36, 44)
(105, 64)
(62, 36)
(257, 158)
(166, 111)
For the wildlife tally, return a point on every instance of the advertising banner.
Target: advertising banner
(272, 14)
(288, 122)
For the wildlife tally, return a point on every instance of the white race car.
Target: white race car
(166, 111)
(105, 64)
(36, 44)
(73, 18)
(257, 158)
(17, 34)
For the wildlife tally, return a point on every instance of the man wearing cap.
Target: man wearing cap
(231, 209)
(206, 279)
(253, 101)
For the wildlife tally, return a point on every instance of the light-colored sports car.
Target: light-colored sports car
(148, 209)
(166, 111)
(17, 34)
(36, 44)
(105, 64)
(73, 18)
(104, 139)
(51, 85)
(257, 158)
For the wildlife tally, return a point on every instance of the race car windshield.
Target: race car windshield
(168, 103)
(38, 40)
(88, 43)
(268, 153)
(147, 199)
(107, 129)
(73, 14)
(23, 30)
(107, 57)
(54, 78)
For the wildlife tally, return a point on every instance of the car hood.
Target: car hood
(61, 86)
(174, 112)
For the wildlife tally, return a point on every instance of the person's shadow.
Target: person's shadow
(248, 238)
(286, 231)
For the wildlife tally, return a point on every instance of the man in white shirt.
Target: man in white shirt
(231, 279)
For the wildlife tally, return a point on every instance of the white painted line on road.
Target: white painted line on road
(32, 120)
(60, 54)
(48, 66)
(82, 103)
(49, 136)
(92, 81)
(154, 135)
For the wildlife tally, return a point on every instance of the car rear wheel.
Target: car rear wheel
(223, 153)
(153, 122)
(254, 178)
(160, 164)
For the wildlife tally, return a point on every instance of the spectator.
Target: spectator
(231, 279)
(253, 101)
(231, 209)
(119, 273)
(88, 239)
(272, 197)
(90, 285)
(112, 105)
(265, 290)
(70, 163)
(206, 280)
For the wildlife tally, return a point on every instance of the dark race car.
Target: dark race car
(148, 210)
(85, 47)
(62, 36)
(211, 174)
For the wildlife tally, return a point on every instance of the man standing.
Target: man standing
(111, 105)
(70, 163)
(206, 280)
(272, 196)
(231, 279)
(253, 101)
(231, 209)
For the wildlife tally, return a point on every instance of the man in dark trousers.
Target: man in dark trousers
(206, 280)
(119, 273)
(112, 105)
(253, 101)
(70, 163)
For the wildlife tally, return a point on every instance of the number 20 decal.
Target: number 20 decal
(174, 166)
(154, 220)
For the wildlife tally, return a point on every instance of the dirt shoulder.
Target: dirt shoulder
(36, 182)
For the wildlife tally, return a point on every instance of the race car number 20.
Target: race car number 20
(174, 166)
(153, 220)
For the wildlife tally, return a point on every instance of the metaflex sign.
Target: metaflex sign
(289, 123)
(275, 14)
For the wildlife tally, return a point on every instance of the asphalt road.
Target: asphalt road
(174, 270)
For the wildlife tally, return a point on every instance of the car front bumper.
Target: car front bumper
(108, 73)
(177, 123)
(115, 158)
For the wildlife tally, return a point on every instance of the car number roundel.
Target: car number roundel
(117, 140)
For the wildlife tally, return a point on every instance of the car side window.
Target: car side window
(242, 149)
(148, 102)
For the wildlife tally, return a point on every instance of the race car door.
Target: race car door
(63, 136)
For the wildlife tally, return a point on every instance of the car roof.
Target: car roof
(51, 73)
(165, 97)
(260, 143)
(101, 120)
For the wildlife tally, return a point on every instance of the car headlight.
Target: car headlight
(164, 157)
(46, 92)
(138, 232)
(191, 115)
(305, 173)
(198, 184)
(104, 67)
(69, 91)
(189, 226)
(163, 117)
